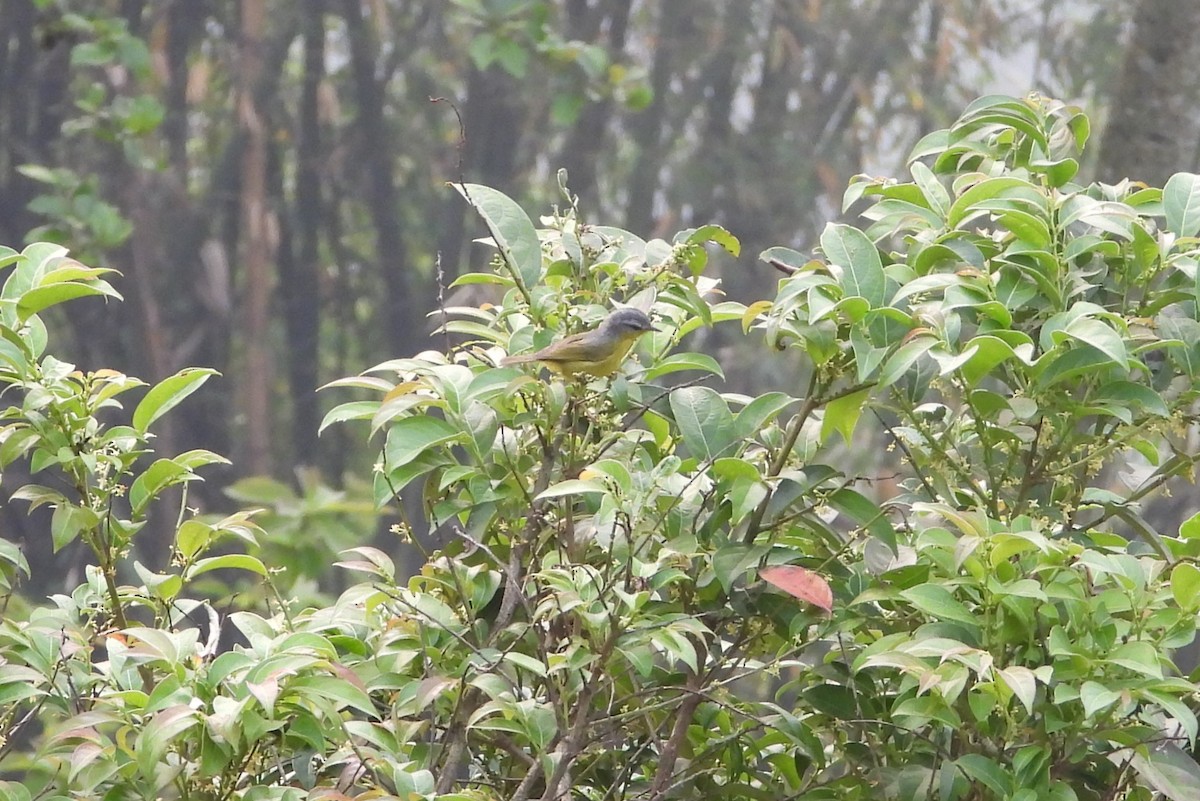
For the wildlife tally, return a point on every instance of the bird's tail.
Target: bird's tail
(524, 358)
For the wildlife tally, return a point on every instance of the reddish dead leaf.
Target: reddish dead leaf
(800, 583)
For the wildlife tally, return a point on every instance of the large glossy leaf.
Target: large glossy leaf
(43, 297)
(759, 412)
(678, 362)
(574, 486)
(510, 228)
(704, 421)
(1181, 204)
(158, 735)
(1170, 770)
(1101, 336)
(412, 437)
(931, 188)
(866, 513)
(1185, 586)
(718, 235)
(841, 415)
(904, 358)
(939, 603)
(231, 561)
(964, 207)
(167, 394)
(859, 260)
(986, 771)
(1002, 111)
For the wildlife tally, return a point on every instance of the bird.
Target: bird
(598, 352)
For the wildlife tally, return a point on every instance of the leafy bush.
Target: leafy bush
(592, 622)
(1020, 333)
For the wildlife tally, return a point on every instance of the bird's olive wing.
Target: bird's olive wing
(585, 347)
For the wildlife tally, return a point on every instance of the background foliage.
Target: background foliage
(145, 135)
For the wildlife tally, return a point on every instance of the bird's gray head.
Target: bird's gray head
(628, 320)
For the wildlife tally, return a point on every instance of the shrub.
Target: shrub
(590, 620)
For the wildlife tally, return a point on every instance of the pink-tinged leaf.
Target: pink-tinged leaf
(801, 583)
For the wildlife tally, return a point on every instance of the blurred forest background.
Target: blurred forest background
(270, 176)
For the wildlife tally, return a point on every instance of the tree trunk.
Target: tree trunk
(402, 320)
(581, 152)
(255, 246)
(646, 127)
(301, 286)
(1152, 130)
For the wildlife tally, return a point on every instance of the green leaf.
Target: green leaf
(1185, 586)
(193, 537)
(989, 353)
(574, 486)
(676, 646)
(68, 522)
(164, 586)
(683, 361)
(1181, 204)
(70, 270)
(199, 457)
(414, 437)
(746, 486)
(1099, 335)
(371, 560)
(704, 421)
(784, 256)
(159, 475)
(986, 771)
(934, 283)
(612, 469)
(867, 357)
(904, 358)
(11, 555)
(157, 736)
(733, 561)
(43, 297)
(938, 602)
(1003, 110)
(512, 56)
(1138, 656)
(1129, 393)
(342, 692)
(354, 410)
(856, 255)
(758, 413)
(37, 495)
(1096, 697)
(167, 394)
(989, 188)
(1023, 683)
(1178, 708)
(233, 561)
(841, 415)
(866, 513)
(1189, 529)
(511, 230)
(931, 144)
(717, 234)
(1114, 218)
(833, 700)
(1170, 770)
(935, 194)
(1057, 366)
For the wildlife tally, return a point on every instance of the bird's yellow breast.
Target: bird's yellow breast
(595, 367)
